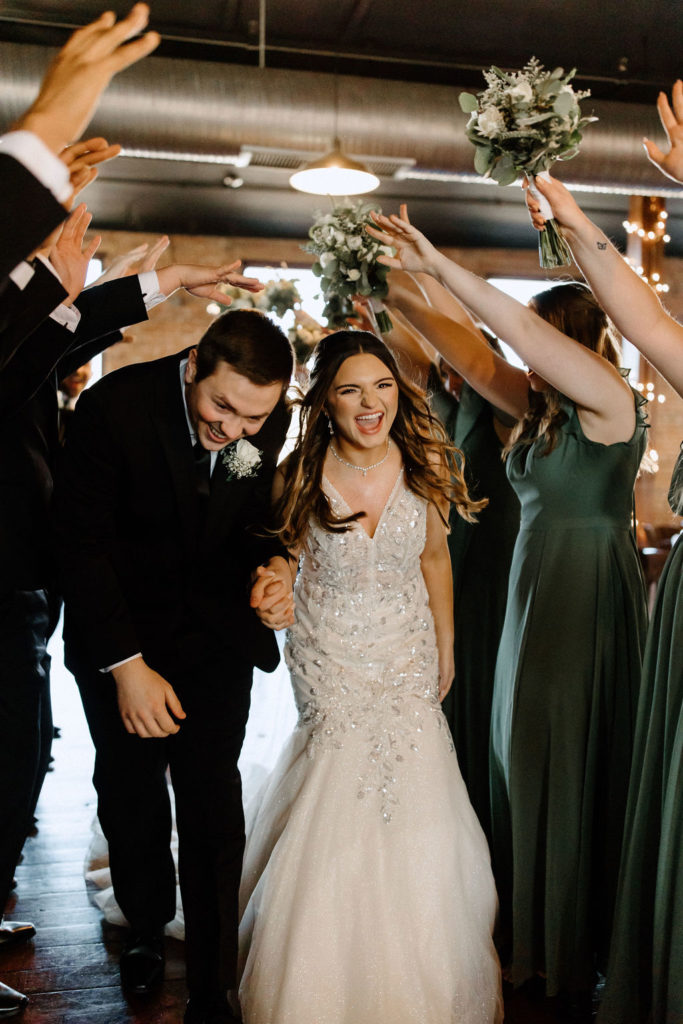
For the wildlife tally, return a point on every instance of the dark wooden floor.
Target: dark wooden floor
(70, 970)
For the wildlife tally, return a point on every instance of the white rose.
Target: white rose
(521, 92)
(326, 258)
(353, 275)
(247, 454)
(490, 122)
(354, 242)
(339, 237)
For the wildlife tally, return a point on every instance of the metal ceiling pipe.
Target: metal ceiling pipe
(209, 108)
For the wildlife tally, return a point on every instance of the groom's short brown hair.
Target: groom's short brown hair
(251, 344)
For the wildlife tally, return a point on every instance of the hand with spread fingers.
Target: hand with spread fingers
(671, 116)
(414, 252)
(202, 281)
(68, 255)
(144, 255)
(81, 71)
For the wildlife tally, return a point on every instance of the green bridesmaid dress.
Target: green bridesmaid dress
(564, 703)
(645, 971)
(481, 554)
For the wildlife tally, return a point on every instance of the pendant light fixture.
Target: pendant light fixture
(334, 174)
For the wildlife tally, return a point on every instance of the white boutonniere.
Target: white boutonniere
(241, 459)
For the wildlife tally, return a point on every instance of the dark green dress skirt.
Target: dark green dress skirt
(564, 703)
(645, 972)
(481, 553)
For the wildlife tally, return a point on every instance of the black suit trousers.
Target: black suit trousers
(134, 811)
(24, 709)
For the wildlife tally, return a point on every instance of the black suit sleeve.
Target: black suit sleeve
(86, 498)
(51, 347)
(28, 213)
(23, 311)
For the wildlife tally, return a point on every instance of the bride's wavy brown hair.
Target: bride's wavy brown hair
(418, 434)
(573, 310)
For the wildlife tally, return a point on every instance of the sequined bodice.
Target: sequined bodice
(362, 653)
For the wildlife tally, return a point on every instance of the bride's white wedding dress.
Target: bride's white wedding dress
(367, 893)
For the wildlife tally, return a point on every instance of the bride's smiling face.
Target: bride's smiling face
(363, 401)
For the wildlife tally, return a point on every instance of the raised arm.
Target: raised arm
(413, 353)
(80, 73)
(587, 379)
(467, 351)
(626, 298)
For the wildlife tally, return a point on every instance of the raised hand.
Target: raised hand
(68, 256)
(202, 281)
(82, 157)
(414, 252)
(670, 163)
(566, 210)
(145, 255)
(81, 71)
(150, 260)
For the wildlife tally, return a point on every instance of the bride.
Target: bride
(367, 895)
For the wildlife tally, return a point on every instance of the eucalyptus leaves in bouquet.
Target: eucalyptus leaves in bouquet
(280, 296)
(276, 297)
(520, 125)
(347, 261)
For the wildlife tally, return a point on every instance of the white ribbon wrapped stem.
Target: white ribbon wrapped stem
(546, 208)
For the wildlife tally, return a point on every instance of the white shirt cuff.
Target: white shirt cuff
(125, 661)
(22, 274)
(66, 316)
(35, 156)
(149, 285)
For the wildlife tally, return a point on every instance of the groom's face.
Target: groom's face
(227, 405)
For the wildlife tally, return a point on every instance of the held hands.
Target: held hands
(271, 594)
(81, 71)
(201, 281)
(414, 252)
(670, 163)
(145, 700)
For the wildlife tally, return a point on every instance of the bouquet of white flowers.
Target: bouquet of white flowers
(521, 124)
(277, 297)
(347, 261)
(280, 296)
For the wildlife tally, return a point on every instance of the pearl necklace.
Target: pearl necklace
(361, 469)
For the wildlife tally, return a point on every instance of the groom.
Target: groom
(156, 509)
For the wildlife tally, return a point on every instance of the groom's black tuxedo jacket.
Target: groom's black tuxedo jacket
(145, 569)
(28, 213)
(29, 440)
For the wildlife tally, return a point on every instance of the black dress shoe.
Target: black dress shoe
(142, 963)
(14, 932)
(11, 1002)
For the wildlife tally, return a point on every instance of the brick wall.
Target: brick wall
(182, 319)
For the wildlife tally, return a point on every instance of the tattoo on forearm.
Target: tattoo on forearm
(602, 245)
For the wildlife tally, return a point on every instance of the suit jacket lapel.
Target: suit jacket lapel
(171, 424)
(226, 497)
